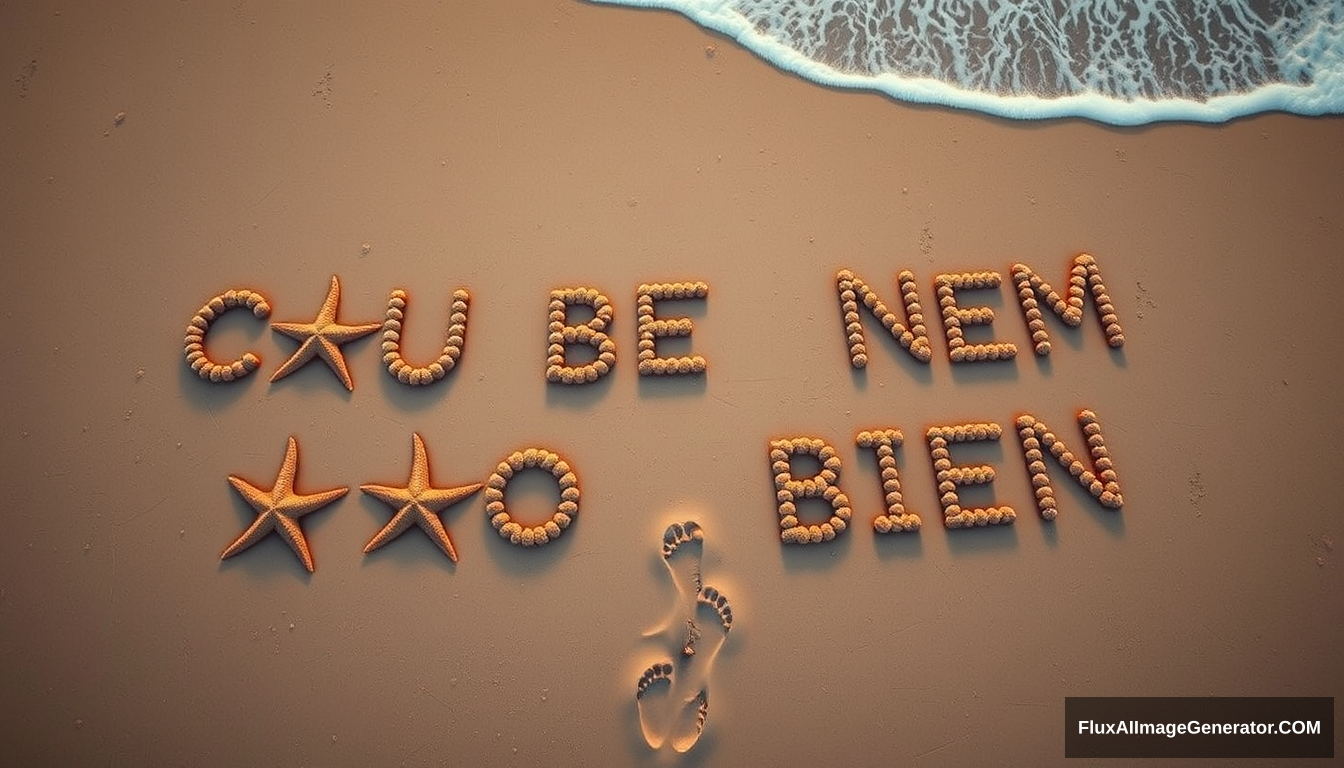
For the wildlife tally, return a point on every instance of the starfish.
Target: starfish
(323, 337)
(280, 508)
(418, 503)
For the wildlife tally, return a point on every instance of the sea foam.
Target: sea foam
(1124, 62)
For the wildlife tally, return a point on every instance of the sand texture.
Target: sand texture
(159, 155)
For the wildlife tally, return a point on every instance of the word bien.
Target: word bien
(1098, 477)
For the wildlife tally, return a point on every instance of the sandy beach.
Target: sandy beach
(156, 156)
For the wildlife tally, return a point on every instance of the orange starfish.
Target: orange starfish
(418, 503)
(279, 508)
(323, 337)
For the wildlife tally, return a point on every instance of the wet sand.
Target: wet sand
(560, 145)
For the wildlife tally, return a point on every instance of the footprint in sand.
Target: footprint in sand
(673, 695)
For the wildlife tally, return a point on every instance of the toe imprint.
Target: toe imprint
(714, 599)
(680, 533)
(655, 673)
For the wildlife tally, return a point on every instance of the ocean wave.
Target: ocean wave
(1123, 62)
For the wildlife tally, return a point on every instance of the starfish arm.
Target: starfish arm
(340, 334)
(289, 467)
(331, 355)
(439, 499)
(298, 505)
(296, 331)
(289, 530)
(327, 314)
(256, 498)
(302, 355)
(433, 527)
(398, 499)
(393, 497)
(263, 525)
(419, 465)
(398, 525)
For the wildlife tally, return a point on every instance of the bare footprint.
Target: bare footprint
(673, 695)
(653, 701)
(690, 721)
(683, 548)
